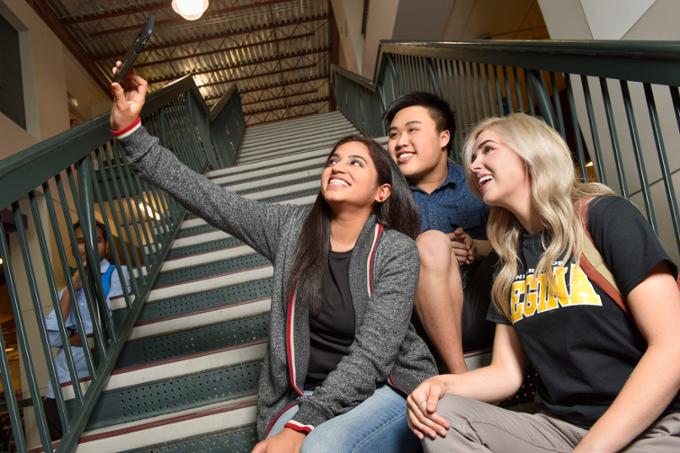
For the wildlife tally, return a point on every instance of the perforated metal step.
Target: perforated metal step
(211, 269)
(175, 394)
(237, 440)
(205, 247)
(292, 195)
(282, 184)
(196, 340)
(205, 300)
(186, 232)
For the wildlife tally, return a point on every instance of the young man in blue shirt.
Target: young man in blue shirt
(455, 274)
(112, 287)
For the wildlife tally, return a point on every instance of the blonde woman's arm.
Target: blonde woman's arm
(499, 380)
(655, 381)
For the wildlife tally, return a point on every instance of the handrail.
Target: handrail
(617, 103)
(81, 174)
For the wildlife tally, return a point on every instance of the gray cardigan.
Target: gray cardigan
(383, 277)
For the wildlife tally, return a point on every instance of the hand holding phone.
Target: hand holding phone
(134, 50)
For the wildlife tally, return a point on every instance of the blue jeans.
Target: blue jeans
(377, 424)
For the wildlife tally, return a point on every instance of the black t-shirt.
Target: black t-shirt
(581, 343)
(332, 328)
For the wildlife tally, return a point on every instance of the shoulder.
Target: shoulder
(394, 244)
(608, 209)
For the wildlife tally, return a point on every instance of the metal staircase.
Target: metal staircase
(186, 380)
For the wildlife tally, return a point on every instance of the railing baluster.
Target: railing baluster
(558, 105)
(499, 89)
(105, 168)
(42, 330)
(663, 160)
(74, 251)
(132, 238)
(112, 244)
(481, 77)
(52, 287)
(24, 348)
(10, 397)
(637, 152)
(518, 89)
(507, 71)
(61, 251)
(577, 129)
(598, 161)
(614, 137)
(488, 70)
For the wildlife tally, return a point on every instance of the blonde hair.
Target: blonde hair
(554, 190)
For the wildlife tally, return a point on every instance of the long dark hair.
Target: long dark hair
(398, 212)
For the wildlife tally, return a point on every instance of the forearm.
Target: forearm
(650, 388)
(490, 384)
(65, 305)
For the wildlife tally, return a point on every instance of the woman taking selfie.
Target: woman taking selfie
(609, 372)
(345, 273)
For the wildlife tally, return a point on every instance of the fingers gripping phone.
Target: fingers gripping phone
(134, 50)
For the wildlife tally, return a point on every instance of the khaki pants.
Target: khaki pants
(481, 427)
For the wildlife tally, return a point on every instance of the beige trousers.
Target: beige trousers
(481, 427)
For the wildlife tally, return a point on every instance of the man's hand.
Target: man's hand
(422, 406)
(287, 441)
(76, 280)
(463, 246)
(127, 101)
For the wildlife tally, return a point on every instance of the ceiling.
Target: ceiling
(278, 52)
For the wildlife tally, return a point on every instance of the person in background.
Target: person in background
(112, 287)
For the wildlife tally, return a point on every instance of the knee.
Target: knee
(455, 407)
(434, 248)
(318, 441)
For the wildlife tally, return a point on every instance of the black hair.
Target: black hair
(100, 226)
(398, 212)
(438, 108)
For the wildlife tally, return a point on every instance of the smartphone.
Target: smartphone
(134, 50)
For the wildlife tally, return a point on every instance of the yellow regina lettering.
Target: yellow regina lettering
(531, 294)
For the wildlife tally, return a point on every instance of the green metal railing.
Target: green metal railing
(616, 103)
(82, 175)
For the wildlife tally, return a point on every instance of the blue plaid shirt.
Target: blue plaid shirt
(452, 205)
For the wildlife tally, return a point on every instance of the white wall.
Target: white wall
(49, 72)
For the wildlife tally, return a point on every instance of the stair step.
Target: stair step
(220, 243)
(302, 198)
(208, 257)
(234, 414)
(199, 339)
(180, 383)
(277, 165)
(234, 440)
(210, 269)
(235, 293)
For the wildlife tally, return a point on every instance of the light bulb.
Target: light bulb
(190, 9)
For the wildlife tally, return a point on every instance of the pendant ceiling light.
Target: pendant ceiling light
(190, 9)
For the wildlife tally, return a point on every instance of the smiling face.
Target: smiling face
(102, 244)
(415, 144)
(500, 175)
(350, 178)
